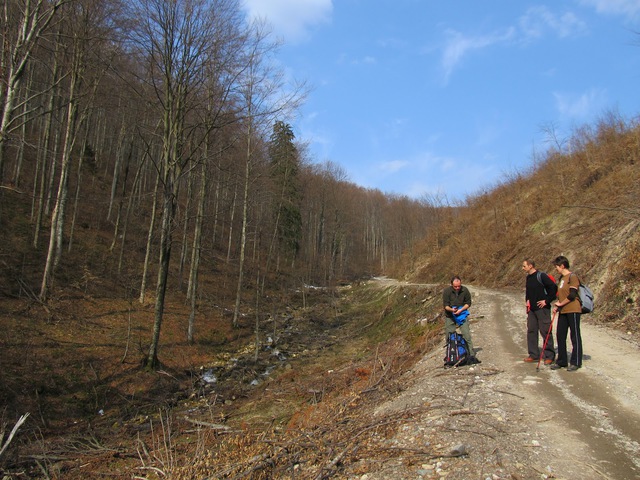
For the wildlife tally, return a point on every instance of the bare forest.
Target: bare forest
(145, 143)
(148, 168)
(186, 293)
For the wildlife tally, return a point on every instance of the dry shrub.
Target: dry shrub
(630, 265)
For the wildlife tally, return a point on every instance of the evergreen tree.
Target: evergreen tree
(285, 166)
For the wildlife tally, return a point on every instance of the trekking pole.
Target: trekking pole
(545, 341)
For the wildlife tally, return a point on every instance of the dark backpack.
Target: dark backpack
(457, 352)
(539, 277)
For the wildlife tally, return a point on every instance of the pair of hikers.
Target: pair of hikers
(540, 291)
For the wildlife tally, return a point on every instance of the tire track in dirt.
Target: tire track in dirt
(591, 418)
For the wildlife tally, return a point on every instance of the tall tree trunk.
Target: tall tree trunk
(122, 197)
(57, 221)
(243, 232)
(39, 186)
(231, 219)
(257, 324)
(184, 247)
(77, 193)
(44, 151)
(136, 181)
(20, 156)
(216, 209)
(192, 289)
(116, 169)
(168, 214)
(147, 255)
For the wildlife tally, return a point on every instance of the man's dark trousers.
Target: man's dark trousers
(539, 321)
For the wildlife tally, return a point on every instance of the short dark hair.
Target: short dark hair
(454, 278)
(530, 262)
(561, 261)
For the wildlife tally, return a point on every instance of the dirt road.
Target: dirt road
(593, 413)
(514, 421)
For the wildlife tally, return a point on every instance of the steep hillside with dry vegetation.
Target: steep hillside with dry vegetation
(578, 200)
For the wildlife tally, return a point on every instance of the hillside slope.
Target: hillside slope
(581, 202)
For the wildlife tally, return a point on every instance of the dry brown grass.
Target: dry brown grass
(76, 366)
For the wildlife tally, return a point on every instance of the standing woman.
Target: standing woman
(569, 308)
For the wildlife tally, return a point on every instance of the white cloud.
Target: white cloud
(455, 176)
(628, 8)
(393, 166)
(537, 21)
(366, 60)
(321, 142)
(458, 45)
(429, 174)
(429, 162)
(582, 106)
(290, 18)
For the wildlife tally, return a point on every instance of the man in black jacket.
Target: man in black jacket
(540, 292)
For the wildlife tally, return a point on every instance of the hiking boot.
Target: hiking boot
(555, 366)
(473, 361)
(548, 361)
(572, 368)
(529, 360)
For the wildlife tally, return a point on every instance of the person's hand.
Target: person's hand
(541, 303)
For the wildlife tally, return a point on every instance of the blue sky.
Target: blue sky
(446, 98)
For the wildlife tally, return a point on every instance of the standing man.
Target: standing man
(456, 300)
(540, 291)
(569, 308)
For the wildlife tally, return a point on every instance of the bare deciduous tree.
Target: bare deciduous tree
(85, 26)
(176, 40)
(24, 24)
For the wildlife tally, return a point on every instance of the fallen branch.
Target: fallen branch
(509, 393)
(430, 455)
(262, 460)
(333, 463)
(599, 472)
(463, 411)
(153, 469)
(213, 426)
(471, 431)
(6, 187)
(14, 430)
(546, 419)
